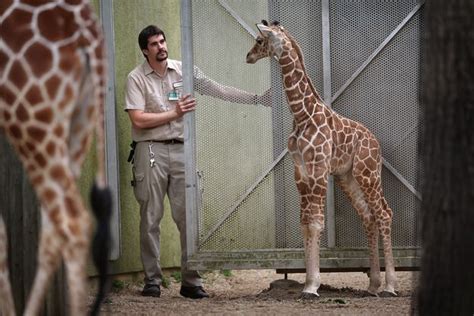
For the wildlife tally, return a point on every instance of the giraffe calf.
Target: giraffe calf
(322, 143)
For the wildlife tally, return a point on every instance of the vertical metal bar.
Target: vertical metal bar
(279, 143)
(330, 205)
(192, 209)
(111, 154)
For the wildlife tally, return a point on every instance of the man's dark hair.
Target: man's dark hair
(146, 33)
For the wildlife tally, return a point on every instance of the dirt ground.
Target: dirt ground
(263, 292)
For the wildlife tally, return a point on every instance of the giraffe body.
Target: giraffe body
(325, 143)
(52, 85)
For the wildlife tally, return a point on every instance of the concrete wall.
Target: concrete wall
(130, 17)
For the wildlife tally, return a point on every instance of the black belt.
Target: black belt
(169, 141)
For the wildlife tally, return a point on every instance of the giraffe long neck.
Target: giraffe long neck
(302, 98)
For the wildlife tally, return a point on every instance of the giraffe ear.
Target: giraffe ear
(264, 30)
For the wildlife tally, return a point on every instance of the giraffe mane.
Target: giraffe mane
(297, 47)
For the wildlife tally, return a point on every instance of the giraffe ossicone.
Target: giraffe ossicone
(325, 143)
(52, 89)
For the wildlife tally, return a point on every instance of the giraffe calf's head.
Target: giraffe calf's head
(270, 42)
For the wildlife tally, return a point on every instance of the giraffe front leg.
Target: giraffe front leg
(311, 237)
(311, 183)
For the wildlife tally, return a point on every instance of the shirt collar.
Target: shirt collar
(171, 64)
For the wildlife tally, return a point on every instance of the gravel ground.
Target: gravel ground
(263, 292)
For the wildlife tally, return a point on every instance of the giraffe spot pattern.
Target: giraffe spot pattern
(69, 60)
(36, 133)
(50, 149)
(17, 39)
(40, 159)
(21, 113)
(71, 207)
(33, 96)
(18, 75)
(44, 115)
(39, 51)
(56, 24)
(15, 131)
(52, 85)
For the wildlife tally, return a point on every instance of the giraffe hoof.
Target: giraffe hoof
(306, 296)
(387, 294)
(369, 293)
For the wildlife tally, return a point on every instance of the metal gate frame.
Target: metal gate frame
(281, 259)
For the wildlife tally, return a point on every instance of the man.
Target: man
(156, 111)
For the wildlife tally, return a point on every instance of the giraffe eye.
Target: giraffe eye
(259, 41)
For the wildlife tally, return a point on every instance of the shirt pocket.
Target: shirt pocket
(154, 103)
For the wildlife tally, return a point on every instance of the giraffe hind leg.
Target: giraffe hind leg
(65, 233)
(382, 215)
(385, 229)
(49, 258)
(76, 249)
(358, 200)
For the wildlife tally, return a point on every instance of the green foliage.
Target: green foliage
(176, 276)
(165, 282)
(117, 285)
(226, 273)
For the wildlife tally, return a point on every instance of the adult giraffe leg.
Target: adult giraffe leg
(65, 230)
(75, 255)
(89, 107)
(49, 258)
(357, 198)
(7, 306)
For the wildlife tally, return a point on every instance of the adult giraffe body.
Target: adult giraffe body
(52, 86)
(322, 143)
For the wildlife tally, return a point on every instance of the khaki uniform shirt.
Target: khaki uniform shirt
(148, 91)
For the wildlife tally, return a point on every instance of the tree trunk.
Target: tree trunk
(447, 159)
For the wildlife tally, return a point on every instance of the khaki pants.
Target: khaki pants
(166, 177)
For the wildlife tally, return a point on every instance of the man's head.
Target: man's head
(152, 42)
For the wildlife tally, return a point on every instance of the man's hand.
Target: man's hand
(185, 104)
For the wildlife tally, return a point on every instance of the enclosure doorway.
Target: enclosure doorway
(242, 203)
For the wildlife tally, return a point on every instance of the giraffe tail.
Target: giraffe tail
(101, 202)
(7, 307)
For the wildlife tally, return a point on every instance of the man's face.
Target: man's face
(156, 48)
